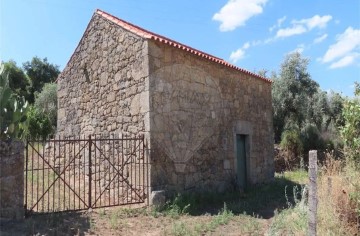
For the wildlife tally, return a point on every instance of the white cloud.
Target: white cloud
(300, 48)
(235, 13)
(240, 53)
(278, 23)
(287, 32)
(320, 38)
(237, 55)
(256, 42)
(315, 21)
(348, 43)
(269, 40)
(246, 45)
(343, 62)
(303, 26)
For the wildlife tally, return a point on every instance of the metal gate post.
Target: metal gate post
(26, 173)
(90, 177)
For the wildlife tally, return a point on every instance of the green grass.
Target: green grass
(283, 195)
(250, 225)
(299, 176)
(294, 219)
(117, 218)
(181, 229)
(269, 196)
(222, 218)
(291, 221)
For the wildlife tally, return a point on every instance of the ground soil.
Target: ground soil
(249, 213)
(109, 222)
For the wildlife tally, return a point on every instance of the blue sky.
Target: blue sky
(252, 34)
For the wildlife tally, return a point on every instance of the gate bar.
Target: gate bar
(26, 176)
(90, 142)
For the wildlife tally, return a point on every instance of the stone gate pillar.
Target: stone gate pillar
(12, 180)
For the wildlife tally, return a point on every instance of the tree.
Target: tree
(46, 102)
(40, 72)
(39, 124)
(261, 72)
(293, 90)
(18, 81)
(350, 132)
(336, 105)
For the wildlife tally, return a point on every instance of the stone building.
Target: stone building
(208, 124)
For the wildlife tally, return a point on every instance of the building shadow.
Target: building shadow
(261, 201)
(66, 223)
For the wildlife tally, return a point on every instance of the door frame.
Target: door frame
(247, 159)
(244, 128)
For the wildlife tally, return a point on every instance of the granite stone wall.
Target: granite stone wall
(103, 89)
(12, 180)
(197, 108)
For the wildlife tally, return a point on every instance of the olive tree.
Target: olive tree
(292, 92)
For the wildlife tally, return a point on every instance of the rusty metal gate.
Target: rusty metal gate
(77, 174)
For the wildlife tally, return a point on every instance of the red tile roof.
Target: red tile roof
(149, 35)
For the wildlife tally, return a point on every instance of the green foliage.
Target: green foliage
(181, 229)
(261, 72)
(355, 198)
(30, 79)
(223, 217)
(357, 89)
(39, 124)
(298, 101)
(336, 105)
(350, 132)
(40, 72)
(291, 142)
(12, 110)
(294, 219)
(177, 207)
(316, 110)
(18, 81)
(292, 91)
(297, 176)
(46, 102)
(311, 138)
(36, 85)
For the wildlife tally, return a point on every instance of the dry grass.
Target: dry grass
(338, 202)
(336, 209)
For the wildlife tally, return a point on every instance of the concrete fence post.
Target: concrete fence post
(312, 192)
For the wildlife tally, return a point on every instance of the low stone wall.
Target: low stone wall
(12, 180)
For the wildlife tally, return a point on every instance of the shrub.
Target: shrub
(46, 102)
(39, 124)
(292, 144)
(311, 138)
(12, 110)
(351, 130)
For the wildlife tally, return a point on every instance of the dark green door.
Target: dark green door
(241, 160)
